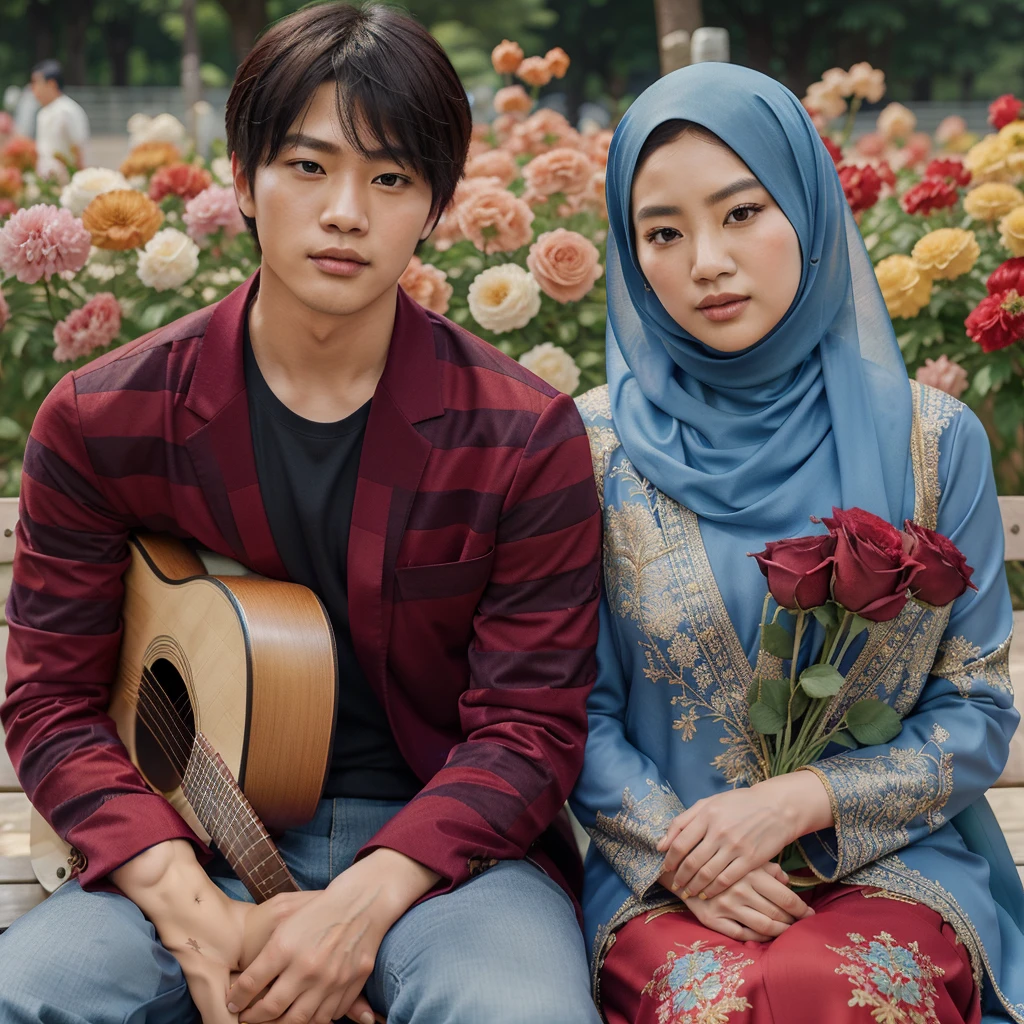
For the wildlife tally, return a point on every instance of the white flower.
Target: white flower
(31, 191)
(220, 168)
(169, 260)
(208, 294)
(220, 277)
(504, 298)
(235, 274)
(101, 271)
(87, 184)
(554, 365)
(162, 128)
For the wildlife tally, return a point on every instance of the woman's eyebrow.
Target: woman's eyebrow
(646, 212)
(730, 190)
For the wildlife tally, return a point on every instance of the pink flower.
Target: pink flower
(185, 180)
(214, 208)
(871, 144)
(513, 99)
(495, 163)
(561, 170)
(950, 128)
(7, 207)
(565, 264)
(93, 326)
(543, 130)
(427, 285)
(5, 311)
(943, 374)
(42, 241)
(495, 220)
(6, 123)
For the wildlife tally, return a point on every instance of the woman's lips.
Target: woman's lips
(726, 311)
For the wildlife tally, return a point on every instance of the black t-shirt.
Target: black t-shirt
(307, 474)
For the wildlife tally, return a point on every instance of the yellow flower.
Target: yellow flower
(1012, 134)
(947, 253)
(992, 200)
(122, 219)
(1011, 231)
(905, 288)
(986, 160)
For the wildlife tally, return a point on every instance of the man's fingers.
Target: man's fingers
(254, 979)
(360, 1011)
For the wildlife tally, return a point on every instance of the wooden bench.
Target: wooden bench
(19, 890)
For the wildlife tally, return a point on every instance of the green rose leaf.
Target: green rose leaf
(753, 692)
(766, 719)
(801, 702)
(775, 693)
(32, 382)
(873, 722)
(858, 625)
(826, 615)
(821, 681)
(844, 739)
(9, 430)
(777, 640)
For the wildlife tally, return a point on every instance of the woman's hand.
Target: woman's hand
(757, 908)
(719, 840)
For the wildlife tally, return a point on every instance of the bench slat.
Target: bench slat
(17, 899)
(16, 869)
(8, 780)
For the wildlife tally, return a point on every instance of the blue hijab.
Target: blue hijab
(724, 434)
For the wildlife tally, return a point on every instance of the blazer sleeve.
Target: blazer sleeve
(955, 740)
(531, 662)
(64, 614)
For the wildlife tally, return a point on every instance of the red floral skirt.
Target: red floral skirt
(865, 956)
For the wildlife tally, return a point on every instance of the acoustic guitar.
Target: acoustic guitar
(225, 699)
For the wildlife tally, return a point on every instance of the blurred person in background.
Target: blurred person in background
(62, 128)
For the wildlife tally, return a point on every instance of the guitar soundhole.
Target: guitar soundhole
(165, 726)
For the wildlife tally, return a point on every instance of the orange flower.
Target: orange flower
(427, 285)
(10, 182)
(542, 131)
(565, 264)
(506, 57)
(147, 157)
(122, 219)
(495, 163)
(557, 61)
(534, 71)
(185, 180)
(513, 99)
(561, 170)
(495, 220)
(19, 152)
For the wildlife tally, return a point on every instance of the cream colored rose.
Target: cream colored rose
(565, 264)
(85, 185)
(162, 128)
(169, 259)
(866, 82)
(1011, 231)
(495, 163)
(837, 81)
(220, 168)
(905, 288)
(950, 129)
(553, 365)
(896, 121)
(947, 253)
(504, 298)
(561, 170)
(427, 285)
(494, 220)
(992, 200)
(825, 100)
(986, 160)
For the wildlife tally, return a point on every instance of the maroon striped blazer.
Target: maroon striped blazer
(473, 573)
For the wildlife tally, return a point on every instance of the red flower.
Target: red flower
(833, 150)
(929, 195)
(798, 570)
(7, 207)
(1008, 276)
(885, 172)
(861, 185)
(949, 169)
(1003, 110)
(945, 574)
(997, 321)
(185, 180)
(872, 569)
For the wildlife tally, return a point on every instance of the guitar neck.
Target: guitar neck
(228, 817)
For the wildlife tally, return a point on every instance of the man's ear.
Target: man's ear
(243, 193)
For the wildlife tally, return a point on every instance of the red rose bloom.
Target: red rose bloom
(872, 569)
(185, 180)
(1008, 276)
(952, 170)
(929, 195)
(885, 172)
(861, 185)
(997, 321)
(1003, 110)
(945, 574)
(833, 150)
(798, 570)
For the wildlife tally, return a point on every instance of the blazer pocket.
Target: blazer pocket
(445, 579)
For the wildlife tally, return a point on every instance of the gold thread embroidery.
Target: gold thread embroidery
(933, 412)
(959, 661)
(884, 894)
(629, 840)
(595, 405)
(699, 985)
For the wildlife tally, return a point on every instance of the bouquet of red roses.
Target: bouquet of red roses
(862, 572)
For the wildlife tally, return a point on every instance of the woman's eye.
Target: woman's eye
(662, 235)
(391, 180)
(743, 214)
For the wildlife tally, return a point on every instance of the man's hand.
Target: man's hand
(757, 908)
(719, 840)
(315, 964)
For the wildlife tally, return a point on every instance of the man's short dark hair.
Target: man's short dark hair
(391, 76)
(51, 71)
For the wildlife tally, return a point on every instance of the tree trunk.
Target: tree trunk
(923, 87)
(117, 36)
(248, 19)
(40, 23)
(190, 84)
(76, 24)
(674, 17)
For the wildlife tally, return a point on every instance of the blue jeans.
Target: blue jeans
(504, 948)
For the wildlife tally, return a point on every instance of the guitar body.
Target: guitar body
(221, 679)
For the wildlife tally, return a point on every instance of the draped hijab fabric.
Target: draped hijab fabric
(735, 436)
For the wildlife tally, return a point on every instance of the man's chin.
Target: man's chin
(336, 298)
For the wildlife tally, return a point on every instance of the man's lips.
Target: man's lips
(345, 265)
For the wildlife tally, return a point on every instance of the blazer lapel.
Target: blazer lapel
(393, 458)
(221, 449)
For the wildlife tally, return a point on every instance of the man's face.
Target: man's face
(337, 229)
(44, 89)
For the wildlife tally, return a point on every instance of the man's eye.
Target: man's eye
(391, 180)
(309, 166)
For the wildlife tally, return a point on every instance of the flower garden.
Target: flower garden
(103, 256)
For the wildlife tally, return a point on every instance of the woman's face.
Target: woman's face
(713, 244)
